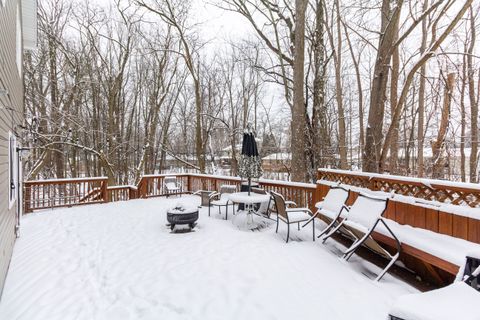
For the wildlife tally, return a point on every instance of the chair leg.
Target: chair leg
(209, 206)
(347, 256)
(332, 232)
(276, 230)
(288, 231)
(298, 226)
(226, 212)
(313, 229)
(327, 228)
(394, 258)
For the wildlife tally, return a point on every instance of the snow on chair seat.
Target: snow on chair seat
(297, 214)
(291, 215)
(360, 222)
(456, 301)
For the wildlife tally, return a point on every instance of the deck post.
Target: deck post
(142, 188)
(189, 184)
(104, 187)
(27, 190)
(132, 194)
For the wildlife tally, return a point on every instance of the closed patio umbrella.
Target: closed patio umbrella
(250, 162)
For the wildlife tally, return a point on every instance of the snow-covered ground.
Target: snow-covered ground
(120, 261)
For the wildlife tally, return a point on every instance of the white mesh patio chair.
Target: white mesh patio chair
(291, 215)
(362, 219)
(171, 185)
(220, 199)
(333, 208)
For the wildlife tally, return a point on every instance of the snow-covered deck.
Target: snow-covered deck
(120, 261)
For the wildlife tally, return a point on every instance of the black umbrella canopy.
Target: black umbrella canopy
(249, 145)
(250, 162)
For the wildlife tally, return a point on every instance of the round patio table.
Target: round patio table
(249, 201)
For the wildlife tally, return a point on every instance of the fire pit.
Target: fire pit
(181, 215)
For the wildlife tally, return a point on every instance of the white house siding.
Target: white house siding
(11, 80)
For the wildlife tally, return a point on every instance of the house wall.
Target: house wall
(10, 80)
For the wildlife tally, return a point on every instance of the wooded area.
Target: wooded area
(383, 86)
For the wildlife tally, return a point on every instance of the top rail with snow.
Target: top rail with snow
(427, 189)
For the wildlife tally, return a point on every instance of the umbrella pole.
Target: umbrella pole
(249, 185)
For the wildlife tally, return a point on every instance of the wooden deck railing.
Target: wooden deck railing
(41, 194)
(44, 194)
(152, 186)
(121, 193)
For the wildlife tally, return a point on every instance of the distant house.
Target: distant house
(277, 162)
(18, 32)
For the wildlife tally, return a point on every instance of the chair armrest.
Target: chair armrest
(213, 195)
(290, 203)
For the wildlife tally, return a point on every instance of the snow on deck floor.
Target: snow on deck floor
(120, 261)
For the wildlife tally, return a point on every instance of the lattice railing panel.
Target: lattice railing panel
(427, 190)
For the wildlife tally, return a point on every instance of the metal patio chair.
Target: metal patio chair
(221, 199)
(333, 208)
(171, 185)
(264, 209)
(362, 219)
(291, 215)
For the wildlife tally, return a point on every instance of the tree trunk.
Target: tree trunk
(421, 99)
(393, 103)
(319, 113)
(342, 145)
(439, 144)
(374, 132)
(473, 102)
(463, 121)
(298, 126)
(358, 77)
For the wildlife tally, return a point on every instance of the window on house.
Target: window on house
(12, 169)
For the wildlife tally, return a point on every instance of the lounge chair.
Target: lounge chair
(332, 208)
(362, 219)
(291, 215)
(171, 185)
(456, 301)
(220, 199)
